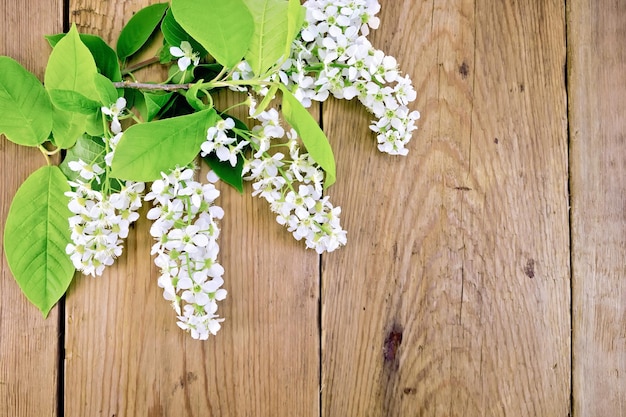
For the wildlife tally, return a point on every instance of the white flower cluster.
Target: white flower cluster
(223, 145)
(102, 216)
(293, 187)
(185, 227)
(100, 222)
(332, 55)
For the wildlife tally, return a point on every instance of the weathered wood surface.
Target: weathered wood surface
(597, 97)
(29, 345)
(453, 295)
(453, 298)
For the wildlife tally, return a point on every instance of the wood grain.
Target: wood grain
(452, 296)
(29, 343)
(125, 356)
(597, 31)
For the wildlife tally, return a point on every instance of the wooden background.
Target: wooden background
(484, 275)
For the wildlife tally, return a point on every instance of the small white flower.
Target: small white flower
(115, 111)
(185, 54)
(86, 171)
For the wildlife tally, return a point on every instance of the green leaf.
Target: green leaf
(71, 67)
(270, 33)
(35, 237)
(154, 103)
(227, 173)
(266, 100)
(312, 136)
(223, 27)
(105, 89)
(147, 149)
(174, 34)
(165, 57)
(192, 97)
(25, 109)
(296, 15)
(88, 149)
(104, 56)
(177, 106)
(73, 101)
(67, 127)
(132, 96)
(94, 124)
(139, 28)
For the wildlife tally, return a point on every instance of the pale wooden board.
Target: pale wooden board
(28, 342)
(597, 94)
(125, 354)
(460, 248)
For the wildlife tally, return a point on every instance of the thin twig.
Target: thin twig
(148, 86)
(140, 65)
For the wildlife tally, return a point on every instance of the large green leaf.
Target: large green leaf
(67, 127)
(223, 27)
(148, 149)
(36, 235)
(139, 28)
(25, 109)
(94, 125)
(106, 91)
(72, 101)
(154, 103)
(72, 67)
(174, 34)
(296, 15)
(270, 33)
(104, 56)
(312, 136)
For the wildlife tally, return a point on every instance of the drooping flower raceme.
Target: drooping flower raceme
(100, 222)
(332, 56)
(103, 209)
(292, 184)
(334, 44)
(186, 231)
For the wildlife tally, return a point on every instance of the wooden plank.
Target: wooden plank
(452, 295)
(596, 35)
(125, 354)
(28, 343)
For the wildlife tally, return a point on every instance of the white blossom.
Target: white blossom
(115, 111)
(100, 223)
(186, 232)
(186, 55)
(332, 56)
(293, 187)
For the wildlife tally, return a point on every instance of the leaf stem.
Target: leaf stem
(45, 153)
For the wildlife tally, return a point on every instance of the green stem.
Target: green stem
(45, 153)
